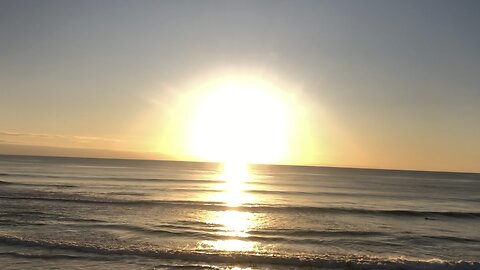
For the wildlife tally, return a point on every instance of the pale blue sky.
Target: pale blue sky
(402, 78)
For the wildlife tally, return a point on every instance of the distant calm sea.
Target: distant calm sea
(75, 213)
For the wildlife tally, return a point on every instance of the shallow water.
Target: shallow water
(59, 213)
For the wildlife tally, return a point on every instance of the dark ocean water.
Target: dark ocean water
(73, 213)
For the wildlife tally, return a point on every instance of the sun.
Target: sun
(240, 120)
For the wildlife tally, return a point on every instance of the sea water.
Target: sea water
(77, 213)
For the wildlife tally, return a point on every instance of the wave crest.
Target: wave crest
(327, 261)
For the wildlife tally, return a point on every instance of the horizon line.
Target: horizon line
(260, 164)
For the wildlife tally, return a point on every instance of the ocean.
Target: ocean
(79, 213)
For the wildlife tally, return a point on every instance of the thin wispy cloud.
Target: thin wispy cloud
(59, 136)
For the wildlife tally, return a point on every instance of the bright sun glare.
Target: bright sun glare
(237, 121)
(240, 120)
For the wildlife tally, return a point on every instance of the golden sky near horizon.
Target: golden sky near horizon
(375, 84)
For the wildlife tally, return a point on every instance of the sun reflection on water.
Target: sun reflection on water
(233, 224)
(235, 172)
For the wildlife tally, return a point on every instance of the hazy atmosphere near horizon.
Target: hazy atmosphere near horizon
(378, 84)
(239, 135)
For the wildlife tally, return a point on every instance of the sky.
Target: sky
(377, 84)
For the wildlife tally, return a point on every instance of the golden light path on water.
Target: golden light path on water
(234, 224)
